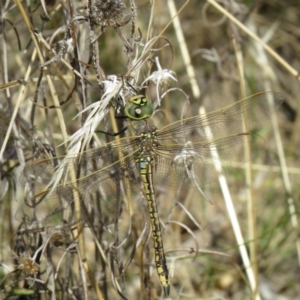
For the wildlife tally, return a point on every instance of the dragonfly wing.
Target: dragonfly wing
(247, 114)
(103, 175)
(195, 164)
(191, 152)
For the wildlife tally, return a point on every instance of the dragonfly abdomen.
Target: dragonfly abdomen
(146, 171)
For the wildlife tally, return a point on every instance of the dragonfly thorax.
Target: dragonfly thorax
(148, 143)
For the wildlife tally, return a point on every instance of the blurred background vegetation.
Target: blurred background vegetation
(215, 62)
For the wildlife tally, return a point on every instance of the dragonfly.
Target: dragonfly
(182, 155)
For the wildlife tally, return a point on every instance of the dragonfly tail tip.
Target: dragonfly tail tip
(166, 290)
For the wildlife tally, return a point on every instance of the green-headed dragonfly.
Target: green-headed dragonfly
(181, 155)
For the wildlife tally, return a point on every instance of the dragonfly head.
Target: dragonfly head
(138, 108)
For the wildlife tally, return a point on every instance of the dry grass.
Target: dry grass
(216, 62)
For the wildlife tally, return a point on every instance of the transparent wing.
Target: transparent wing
(191, 149)
(103, 181)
